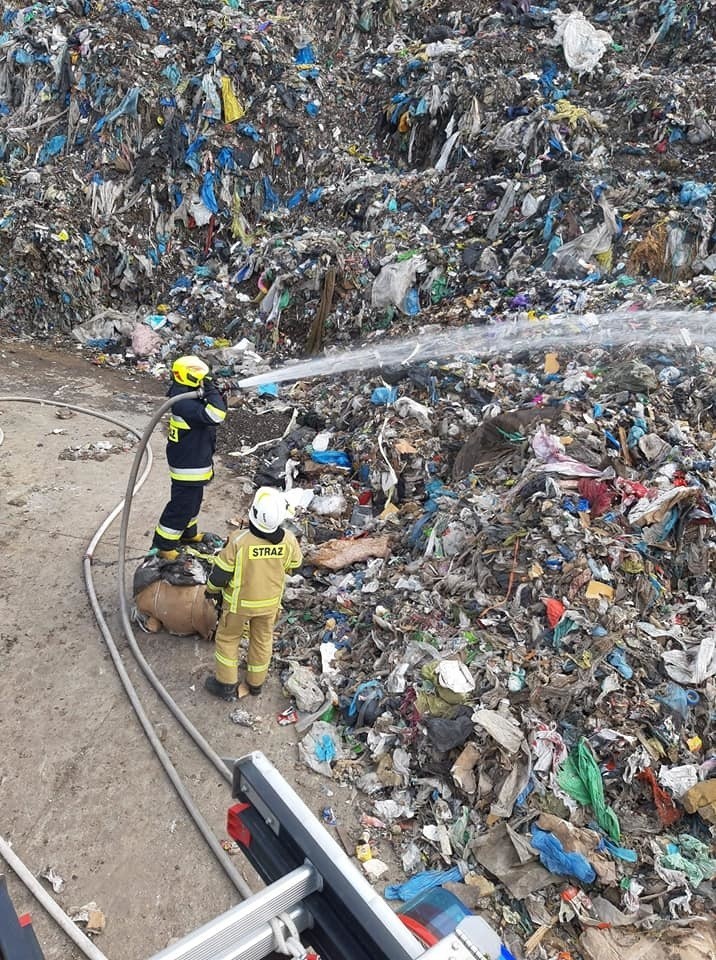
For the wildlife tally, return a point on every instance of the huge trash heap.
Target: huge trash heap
(505, 632)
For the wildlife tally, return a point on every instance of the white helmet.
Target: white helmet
(268, 511)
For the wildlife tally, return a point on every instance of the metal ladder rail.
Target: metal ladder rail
(244, 931)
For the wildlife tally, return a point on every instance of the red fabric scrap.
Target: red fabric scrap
(554, 609)
(599, 495)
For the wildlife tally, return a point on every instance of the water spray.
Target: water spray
(662, 329)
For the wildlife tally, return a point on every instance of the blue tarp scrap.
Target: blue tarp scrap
(225, 159)
(172, 73)
(271, 198)
(51, 148)
(123, 6)
(128, 107)
(215, 53)
(295, 199)
(191, 157)
(305, 55)
(247, 130)
(695, 194)
(208, 197)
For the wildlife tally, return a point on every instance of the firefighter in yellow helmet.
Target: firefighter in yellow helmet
(191, 439)
(250, 574)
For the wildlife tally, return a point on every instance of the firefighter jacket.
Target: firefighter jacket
(251, 570)
(191, 436)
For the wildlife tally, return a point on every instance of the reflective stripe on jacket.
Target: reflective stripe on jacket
(255, 570)
(191, 435)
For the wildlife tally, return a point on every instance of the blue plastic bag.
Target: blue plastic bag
(383, 395)
(421, 882)
(621, 853)
(128, 107)
(677, 699)
(246, 130)
(555, 858)
(51, 148)
(325, 749)
(208, 197)
(337, 458)
(271, 198)
(695, 194)
(294, 200)
(267, 390)
(215, 52)
(225, 159)
(305, 55)
(617, 659)
(411, 303)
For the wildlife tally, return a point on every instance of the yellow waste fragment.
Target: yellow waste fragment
(233, 110)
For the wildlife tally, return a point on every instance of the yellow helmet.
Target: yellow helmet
(189, 371)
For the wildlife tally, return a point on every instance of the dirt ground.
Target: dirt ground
(80, 789)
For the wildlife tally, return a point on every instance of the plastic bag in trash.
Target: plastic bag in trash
(302, 685)
(183, 572)
(391, 286)
(553, 856)
(320, 747)
(421, 882)
(445, 734)
(583, 45)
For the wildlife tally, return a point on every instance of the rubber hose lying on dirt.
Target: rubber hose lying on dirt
(133, 486)
(42, 896)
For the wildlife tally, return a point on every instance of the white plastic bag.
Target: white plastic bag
(455, 676)
(391, 285)
(583, 45)
(546, 445)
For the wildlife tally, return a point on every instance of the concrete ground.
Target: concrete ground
(81, 792)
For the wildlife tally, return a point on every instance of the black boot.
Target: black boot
(227, 691)
(255, 691)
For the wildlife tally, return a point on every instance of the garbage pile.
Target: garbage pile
(504, 631)
(261, 171)
(504, 635)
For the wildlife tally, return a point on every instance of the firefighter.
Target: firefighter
(191, 439)
(249, 574)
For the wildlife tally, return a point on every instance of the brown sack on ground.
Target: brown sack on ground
(179, 610)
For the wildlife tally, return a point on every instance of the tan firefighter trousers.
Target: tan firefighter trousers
(229, 632)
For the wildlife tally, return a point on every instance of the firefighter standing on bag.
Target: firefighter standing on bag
(191, 440)
(250, 574)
